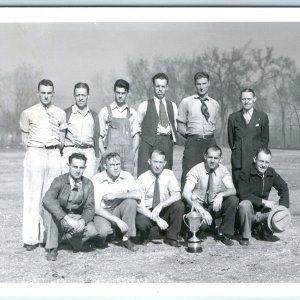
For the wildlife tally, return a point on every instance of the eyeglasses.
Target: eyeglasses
(117, 165)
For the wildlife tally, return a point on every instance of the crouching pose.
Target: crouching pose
(209, 188)
(255, 212)
(69, 208)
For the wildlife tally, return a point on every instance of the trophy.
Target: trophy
(194, 222)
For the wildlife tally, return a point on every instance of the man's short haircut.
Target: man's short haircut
(77, 156)
(200, 75)
(157, 151)
(162, 76)
(121, 83)
(82, 85)
(214, 148)
(247, 90)
(265, 150)
(111, 155)
(45, 82)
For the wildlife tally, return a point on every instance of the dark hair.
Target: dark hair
(247, 90)
(82, 85)
(157, 151)
(111, 155)
(77, 156)
(121, 83)
(214, 148)
(160, 76)
(200, 75)
(264, 150)
(45, 82)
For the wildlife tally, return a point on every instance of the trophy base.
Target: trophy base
(194, 250)
(194, 246)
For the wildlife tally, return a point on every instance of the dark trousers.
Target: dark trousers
(163, 143)
(193, 154)
(227, 213)
(171, 214)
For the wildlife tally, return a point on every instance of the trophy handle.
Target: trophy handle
(184, 217)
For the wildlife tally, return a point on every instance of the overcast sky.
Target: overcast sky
(68, 53)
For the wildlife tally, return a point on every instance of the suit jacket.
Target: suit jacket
(245, 139)
(56, 198)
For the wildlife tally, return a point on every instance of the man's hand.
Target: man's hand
(108, 197)
(268, 203)
(155, 212)
(206, 217)
(162, 224)
(71, 222)
(122, 225)
(217, 204)
(79, 227)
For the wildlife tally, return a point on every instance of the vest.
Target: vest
(150, 122)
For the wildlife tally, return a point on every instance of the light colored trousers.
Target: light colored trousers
(90, 169)
(41, 166)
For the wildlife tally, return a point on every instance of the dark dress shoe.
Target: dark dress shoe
(244, 242)
(173, 243)
(225, 240)
(128, 244)
(30, 247)
(51, 254)
(268, 237)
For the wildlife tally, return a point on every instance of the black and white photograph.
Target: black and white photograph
(150, 145)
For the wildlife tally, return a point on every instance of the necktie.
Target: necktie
(163, 118)
(76, 186)
(209, 188)
(247, 117)
(54, 125)
(156, 194)
(204, 109)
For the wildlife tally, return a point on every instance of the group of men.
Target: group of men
(83, 203)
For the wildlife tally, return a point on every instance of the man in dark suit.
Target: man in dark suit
(69, 208)
(248, 130)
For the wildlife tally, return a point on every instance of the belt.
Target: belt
(164, 134)
(80, 146)
(201, 136)
(46, 147)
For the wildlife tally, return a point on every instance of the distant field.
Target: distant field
(260, 262)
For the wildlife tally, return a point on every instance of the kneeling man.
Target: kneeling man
(161, 205)
(209, 188)
(255, 210)
(116, 197)
(69, 208)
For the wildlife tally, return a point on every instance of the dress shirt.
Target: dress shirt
(199, 176)
(118, 112)
(168, 185)
(80, 128)
(104, 185)
(35, 121)
(189, 113)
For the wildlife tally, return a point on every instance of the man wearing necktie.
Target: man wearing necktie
(210, 190)
(161, 204)
(157, 118)
(248, 130)
(42, 127)
(196, 121)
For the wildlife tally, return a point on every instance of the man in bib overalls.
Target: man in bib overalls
(119, 127)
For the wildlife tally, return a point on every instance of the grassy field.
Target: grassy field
(260, 262)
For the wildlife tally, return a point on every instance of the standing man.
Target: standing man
(83, 132)
(119, 128)
(157, 118)
(70, 208)
(248, 130)
(161, 205)
(209, 188)
(197, 116)
(116, 197)
(253, 190)
(42, 127)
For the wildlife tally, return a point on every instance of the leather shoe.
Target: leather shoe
(51, 254)
(244, 242)
(225, 240)
(128, 244)
(173, 243)
(30, 247)
(269, 237)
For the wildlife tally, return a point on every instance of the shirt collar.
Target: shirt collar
(206, 98)
(115, 106)
(108, 179)
(249, 112)
(72, 182)
(158, 100)
(253, 171)
(75, 109)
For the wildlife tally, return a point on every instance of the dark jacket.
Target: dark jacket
(56, 198)
(96, 127)
(255, 187)
(245, 139)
